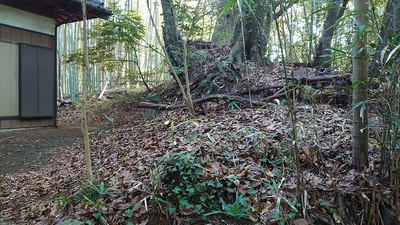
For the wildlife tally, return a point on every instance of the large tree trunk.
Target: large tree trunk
(225, 25)
(250, 39)
(336, 11)
(251, 36)
(172, 39)
(175, 50)
(360, 75)
(389, 33)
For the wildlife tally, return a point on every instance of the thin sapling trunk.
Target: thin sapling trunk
(85, 132)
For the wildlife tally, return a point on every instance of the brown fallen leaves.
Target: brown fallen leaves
(250, 147)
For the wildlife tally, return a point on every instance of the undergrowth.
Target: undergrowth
(91, 195)
(195, 192)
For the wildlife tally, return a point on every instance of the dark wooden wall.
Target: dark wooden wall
(26, 123)
(15, 36)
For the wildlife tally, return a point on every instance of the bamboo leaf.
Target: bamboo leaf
(227, 7)
(338, 50)
(354, 107)
(324, 9)
(361, 28)
(385, 49)
(392, 53)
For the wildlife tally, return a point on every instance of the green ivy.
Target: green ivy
(189, 189)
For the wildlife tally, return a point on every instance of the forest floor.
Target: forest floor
(25, 150)
(244, 156)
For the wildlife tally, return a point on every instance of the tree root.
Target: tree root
(224, 97)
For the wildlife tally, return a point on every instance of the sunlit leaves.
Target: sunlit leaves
(123, 28)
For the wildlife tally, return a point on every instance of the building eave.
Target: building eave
(62, 11)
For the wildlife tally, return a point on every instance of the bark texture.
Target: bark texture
(250, 39)
(252, 31)
(334, 13)
(225, 25)
(172, 39)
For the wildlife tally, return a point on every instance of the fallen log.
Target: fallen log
(305, 80)
(151, 105)
(255, 90)
(279, 94)
(225, 97)
(228, 98)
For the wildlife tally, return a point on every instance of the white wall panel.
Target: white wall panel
(8, 80)
(18, 18)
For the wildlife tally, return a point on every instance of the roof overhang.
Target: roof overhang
(62, 11)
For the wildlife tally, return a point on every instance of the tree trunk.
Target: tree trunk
(322, 54)
(251, 43)
(389, 33)
(172, 39)
(360, 75)
(225, 25)
(251, 36)
(85, 132)
(181, 78)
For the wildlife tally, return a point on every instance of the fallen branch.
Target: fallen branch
(318, 78)
(259, 89)
(279, 94)
(225, 97)
(229, 98)
(151, 105)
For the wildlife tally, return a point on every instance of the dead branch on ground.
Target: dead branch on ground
(224, 97)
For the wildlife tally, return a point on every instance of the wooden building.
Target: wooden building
(28, 37)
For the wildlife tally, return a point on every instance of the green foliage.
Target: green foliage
(227, 7)
(327, 206)
(92, 192)
(123, 28)
(189, 18)
(129, 212)
(238, 209)
(93, 198)
(191, 191)
(388, 93)
(277, 195)
(110, 119)
(63, 202)
(233, 105)
(183, 176)
(171, 129)
(392, 53)
(91, 195)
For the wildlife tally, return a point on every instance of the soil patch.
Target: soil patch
(25, 150)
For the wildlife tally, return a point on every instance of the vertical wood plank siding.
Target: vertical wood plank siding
(15, 35)
(25, 123)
